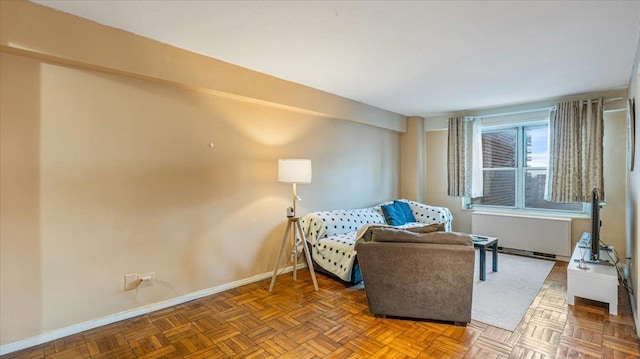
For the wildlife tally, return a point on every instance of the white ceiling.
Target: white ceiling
(410, 57)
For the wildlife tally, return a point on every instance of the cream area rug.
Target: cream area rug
(504, 297)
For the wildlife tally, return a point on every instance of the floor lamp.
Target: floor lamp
(294, 171)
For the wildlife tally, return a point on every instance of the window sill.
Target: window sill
(528, 213)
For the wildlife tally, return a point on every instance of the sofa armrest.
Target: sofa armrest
(430, 214)
(313, 227)
(323, 224)
(390, 234)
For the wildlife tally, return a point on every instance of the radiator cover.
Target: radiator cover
(548, 235)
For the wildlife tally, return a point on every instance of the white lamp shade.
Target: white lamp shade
(294, 170)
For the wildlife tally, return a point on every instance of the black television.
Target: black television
(595, 246)
(595, 225)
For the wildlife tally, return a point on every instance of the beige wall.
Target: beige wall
(615, 149)
(613, 215)
(63, 38)
(104, 173)
(412, 160)
(632, 198)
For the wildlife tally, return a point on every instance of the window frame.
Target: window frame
(520, 173)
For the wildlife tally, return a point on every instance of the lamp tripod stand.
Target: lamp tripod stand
(294, 222)
(293, 225)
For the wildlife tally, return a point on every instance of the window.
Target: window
(515, 160)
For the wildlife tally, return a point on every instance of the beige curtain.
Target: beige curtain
(575, 151)
(464, 157)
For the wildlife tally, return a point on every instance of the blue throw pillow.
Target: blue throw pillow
(393, 215)
(406, 210)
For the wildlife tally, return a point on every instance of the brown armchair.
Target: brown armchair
(418, 275)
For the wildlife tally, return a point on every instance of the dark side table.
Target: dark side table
(484, 242)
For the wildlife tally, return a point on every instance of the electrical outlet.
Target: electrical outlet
(131, 281)
(147, 279)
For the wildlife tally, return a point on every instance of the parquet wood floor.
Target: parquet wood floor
(298, 322)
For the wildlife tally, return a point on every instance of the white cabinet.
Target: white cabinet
(597, 282)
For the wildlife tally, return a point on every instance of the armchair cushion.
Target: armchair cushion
(435, 227)
(389, 234)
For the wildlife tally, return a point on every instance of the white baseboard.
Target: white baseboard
(80, 327)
